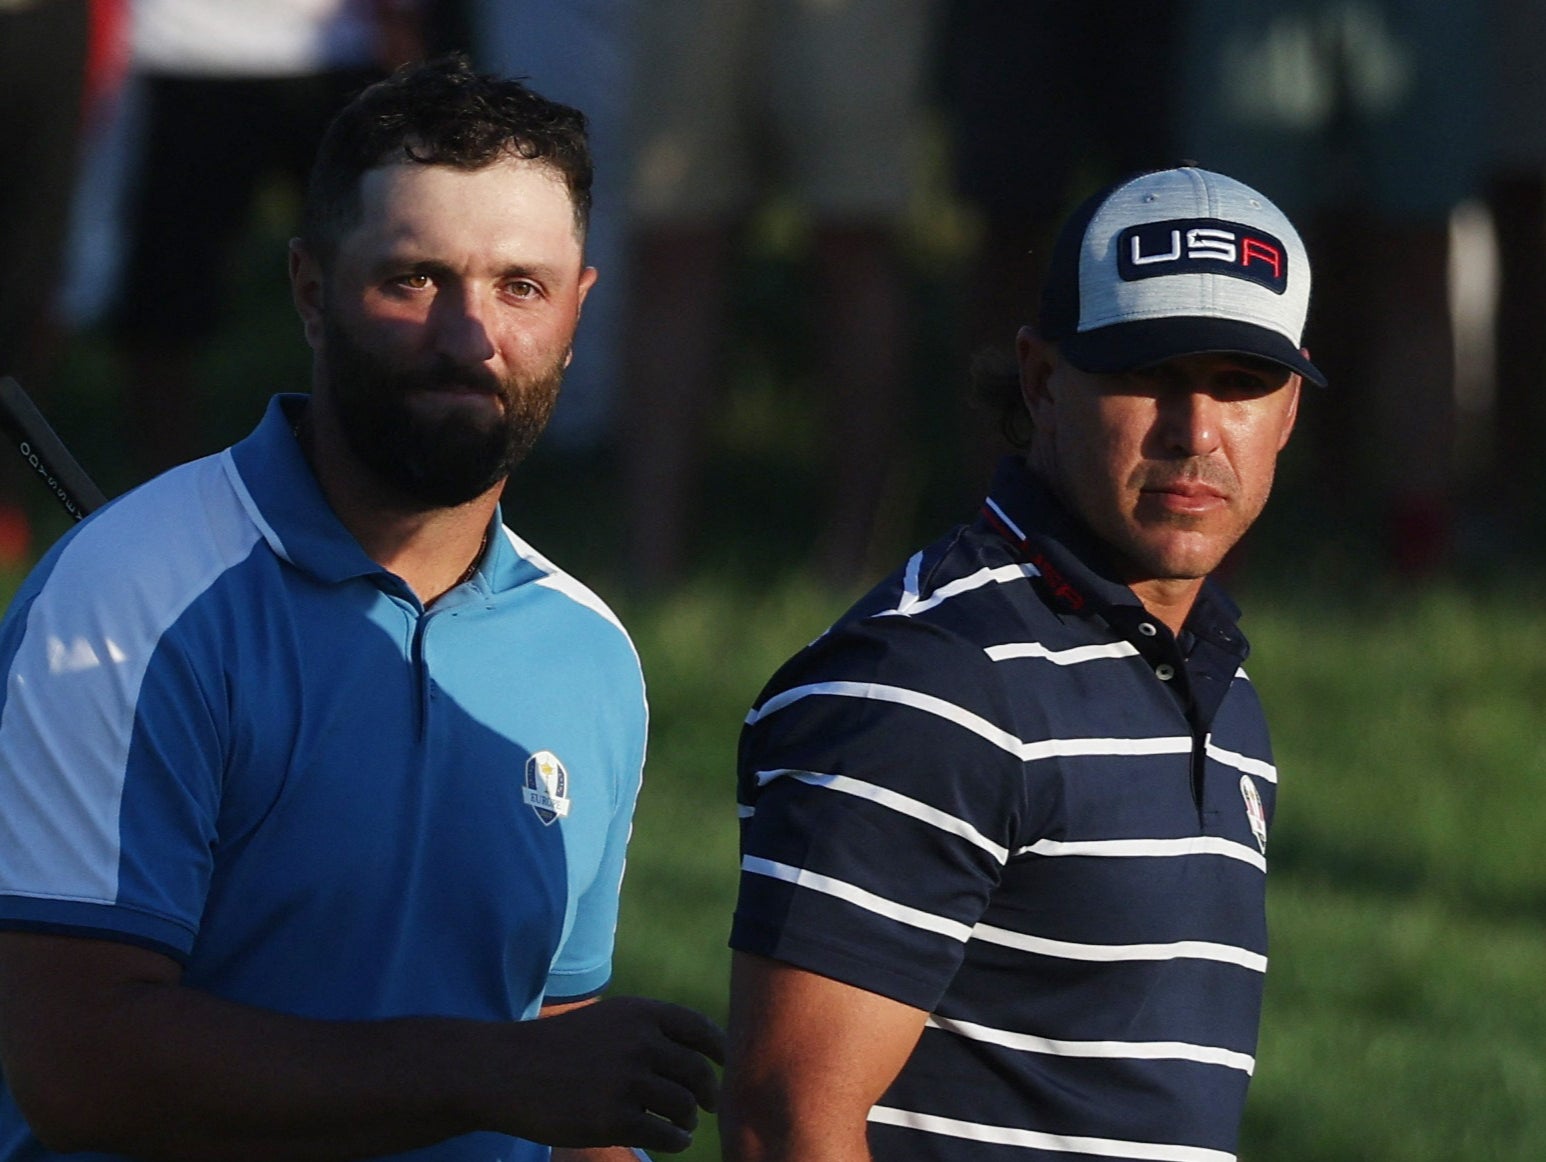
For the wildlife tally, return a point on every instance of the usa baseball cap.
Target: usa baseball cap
(1177, 262)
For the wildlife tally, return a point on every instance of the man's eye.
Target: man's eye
(522, 289)
(1146, 380)
(1246, 383)
(412, 281)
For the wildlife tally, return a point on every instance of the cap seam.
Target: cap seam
(1264, 323)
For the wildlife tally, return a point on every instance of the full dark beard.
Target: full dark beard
(438, 463)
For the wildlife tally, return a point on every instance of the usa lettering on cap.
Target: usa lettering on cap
(1202, 246)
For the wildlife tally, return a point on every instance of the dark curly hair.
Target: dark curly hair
(439, 112)
(995, 389)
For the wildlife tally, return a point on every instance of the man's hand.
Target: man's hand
(626, 1070)
(105, 1049)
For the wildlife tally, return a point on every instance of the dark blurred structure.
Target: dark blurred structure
(1515, 481)
(737, 100)
(43, 54)
(1046, 102)
(1365, 121)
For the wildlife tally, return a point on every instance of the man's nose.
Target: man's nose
(460, 318)
(1190, 423)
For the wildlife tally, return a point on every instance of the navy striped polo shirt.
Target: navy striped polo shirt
(998, 790)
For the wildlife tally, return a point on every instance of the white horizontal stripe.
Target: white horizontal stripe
(929, 704)
(1150, 848)
(911, 604)
(897, 694)
(1115, 953)
(1124, 1050)
(1070, 657)
(1064, 747)
(1250, 766)
(1036, 1140)
(903, 804)
(852, 894)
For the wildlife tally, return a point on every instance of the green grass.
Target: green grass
(1406, 1014)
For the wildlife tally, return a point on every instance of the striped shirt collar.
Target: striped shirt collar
(1076, 574)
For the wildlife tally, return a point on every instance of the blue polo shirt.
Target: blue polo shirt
(230, 736)
(998, 790)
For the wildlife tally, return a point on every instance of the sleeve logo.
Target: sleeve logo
(1254, 813)
(546, 786)
(1202, 246)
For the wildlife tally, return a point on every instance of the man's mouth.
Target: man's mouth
(1186, 497)
(458, 385)
(451, 388)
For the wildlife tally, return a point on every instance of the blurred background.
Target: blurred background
(812, 217)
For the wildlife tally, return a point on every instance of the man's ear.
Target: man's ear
(587, 280)
(1291, 417)
(1036, 357)
(306, 291)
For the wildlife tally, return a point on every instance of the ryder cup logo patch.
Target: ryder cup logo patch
(1254, 814)
(1202, 246)
(546, 788)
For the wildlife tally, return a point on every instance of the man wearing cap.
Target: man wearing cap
(1005, 824)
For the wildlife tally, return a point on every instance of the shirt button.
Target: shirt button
(1147, 629)
(1164, 671)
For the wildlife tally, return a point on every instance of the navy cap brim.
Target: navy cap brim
(1129, 346)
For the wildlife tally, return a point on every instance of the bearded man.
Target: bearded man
(315, 779)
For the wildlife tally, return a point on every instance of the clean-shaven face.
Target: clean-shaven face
(447, 321)
(1169, 465)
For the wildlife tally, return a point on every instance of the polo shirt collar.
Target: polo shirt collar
(286, 502)
(1077, 573)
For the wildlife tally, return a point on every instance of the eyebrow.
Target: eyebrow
(437, 268)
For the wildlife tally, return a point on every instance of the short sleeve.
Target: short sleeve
(109, 767)
(596, 843)
(879, 803)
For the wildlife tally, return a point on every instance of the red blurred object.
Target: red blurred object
(1421, 535)
(107, 55)
(15, 535)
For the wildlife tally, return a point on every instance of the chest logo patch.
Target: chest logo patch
(1254, 813)
(546, 786)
